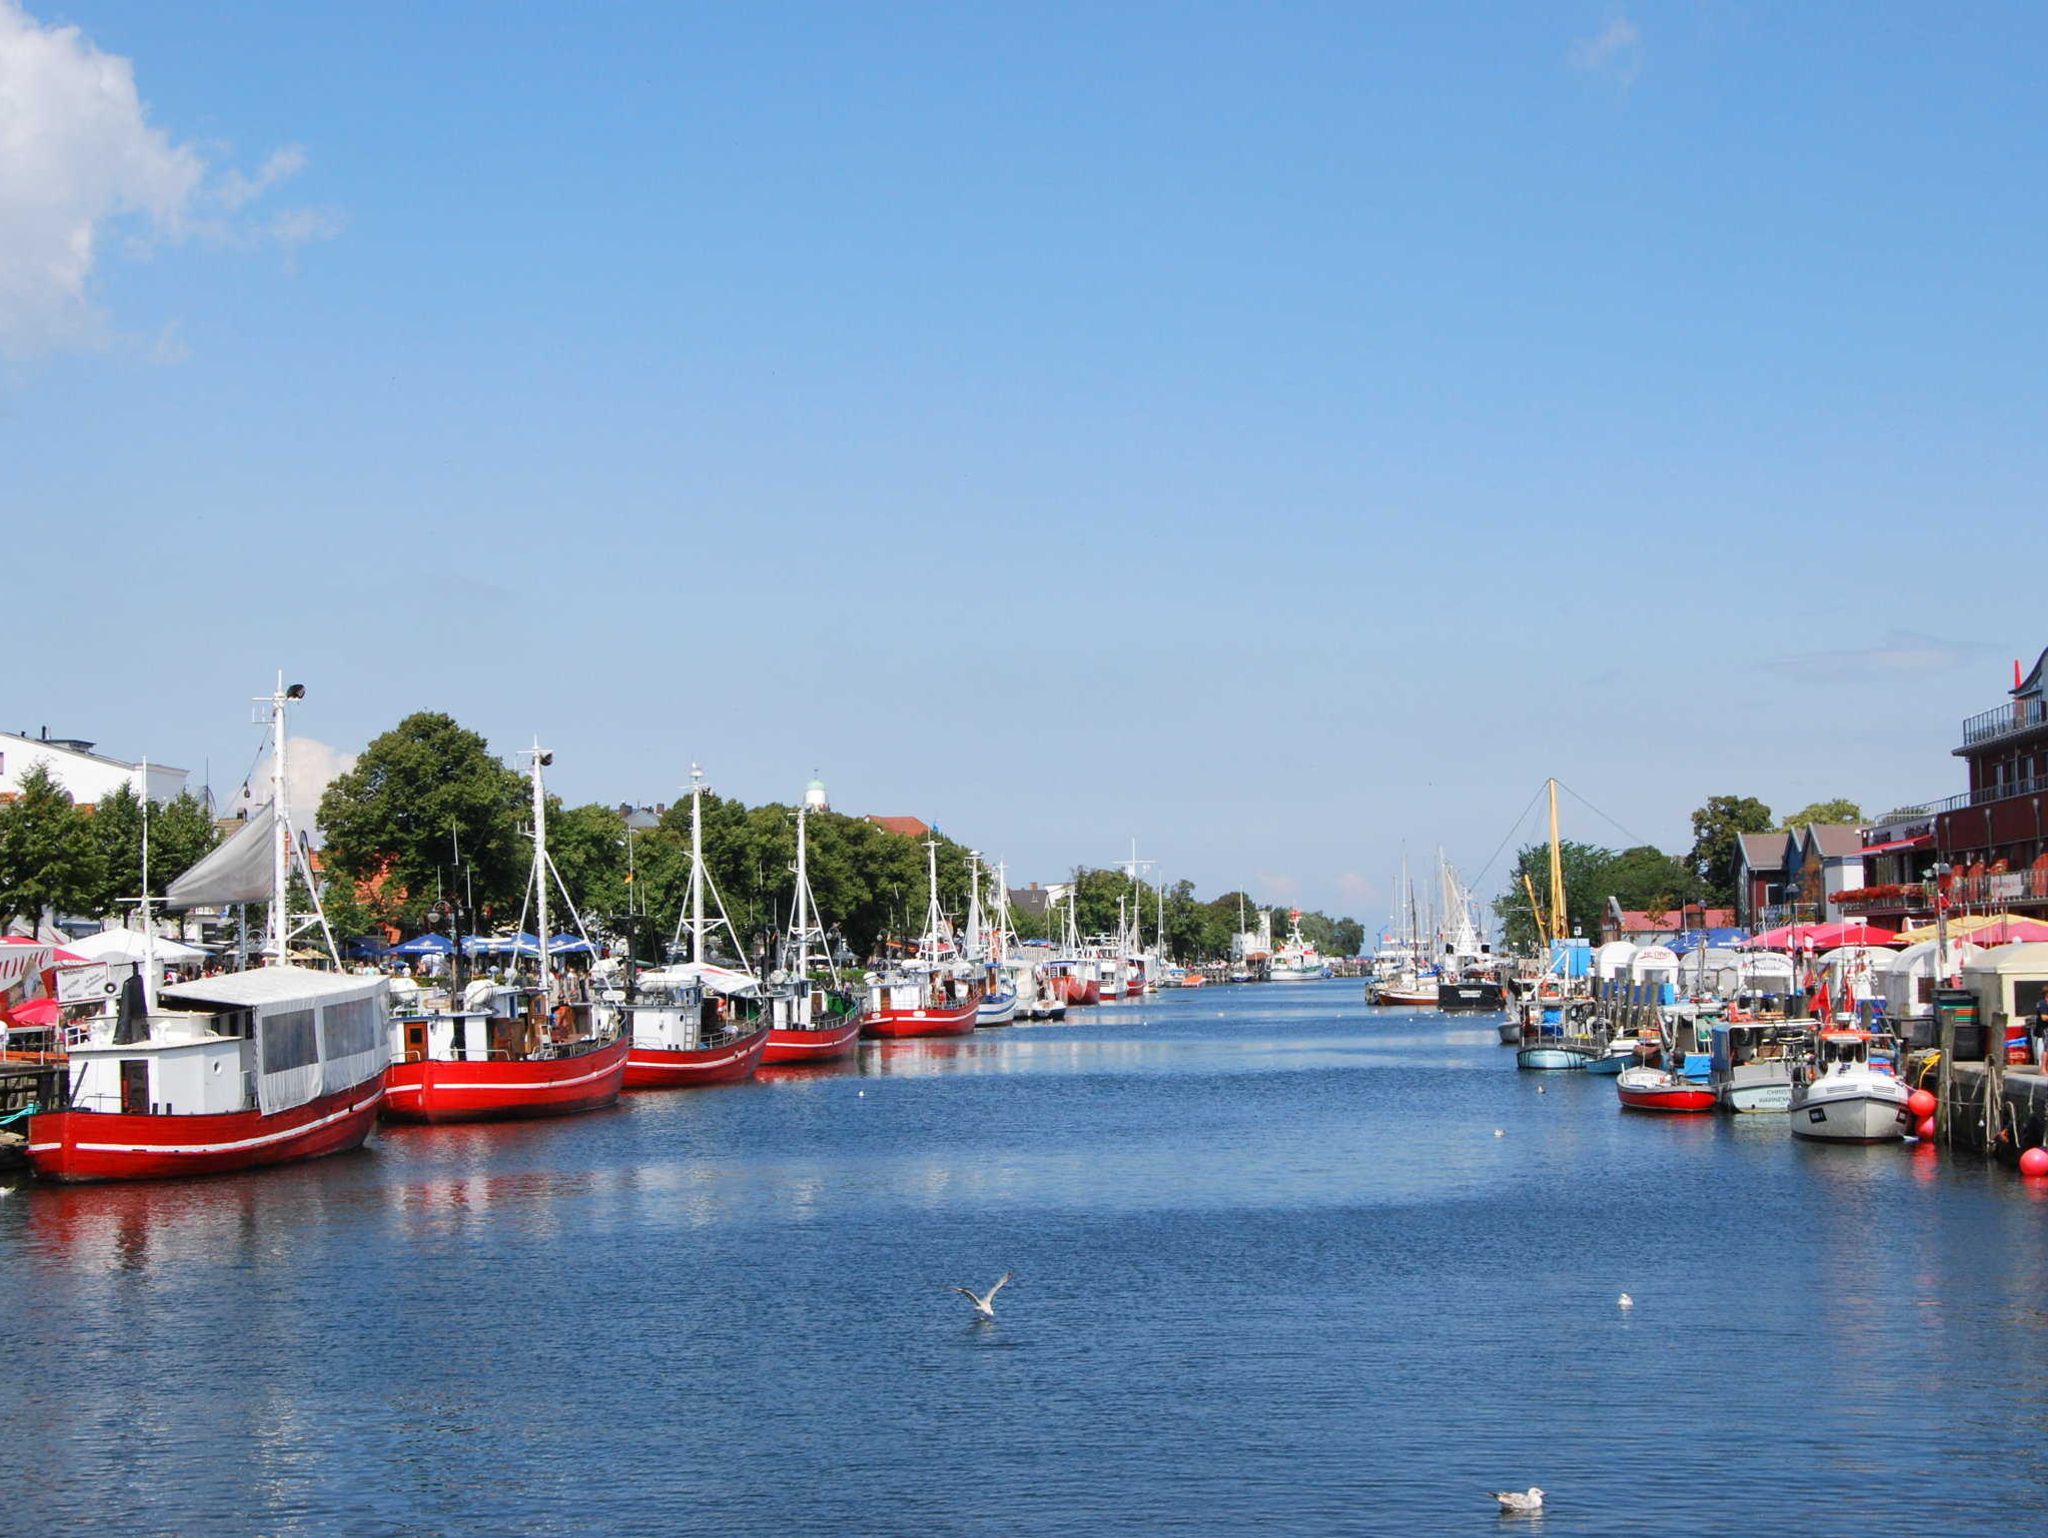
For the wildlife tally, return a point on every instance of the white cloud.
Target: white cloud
(1359, 892)
(1900, 654)
(79, 158)
(1615, 51)
(1277, 888)
(236, 191)
(310, 768)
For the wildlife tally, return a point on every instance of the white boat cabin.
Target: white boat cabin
(264, 1040)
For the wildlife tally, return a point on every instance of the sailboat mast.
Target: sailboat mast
(803, 883)
(540, 865)
(932, 915)
(277, 931)
(975, 945)
(696, 865)
(1557, 917)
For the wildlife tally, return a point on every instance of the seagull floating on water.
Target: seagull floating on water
(1625, 1301)
(1500, 1132)
(1517, 1502)
(985, 1303)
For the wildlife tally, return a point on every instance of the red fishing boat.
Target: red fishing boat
(810, 1021)
(510, 1051)
(921, 1003)
(938, 994)
(1656, 1089)
(565, 1078)
(229, 1073)
(694, 1025)
(725, 1061)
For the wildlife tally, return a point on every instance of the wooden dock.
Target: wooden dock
(1995, 1109)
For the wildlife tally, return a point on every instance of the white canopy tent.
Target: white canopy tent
(131, 945)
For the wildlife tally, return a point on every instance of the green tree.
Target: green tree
(1824, 812)
(1585, 891)
(1715, 829)
(395, 820)
(49, 860)
(115, 827)
(181, 832)
(1650, 880)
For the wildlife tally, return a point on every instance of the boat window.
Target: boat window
(289, 1041)
(353, 1028)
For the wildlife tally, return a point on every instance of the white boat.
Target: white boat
(1751, 1068)
(1840, 1096)
(1296, 961)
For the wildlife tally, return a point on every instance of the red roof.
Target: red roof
(909, 827)
(1712, 918)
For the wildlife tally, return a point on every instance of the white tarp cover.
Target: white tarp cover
(131, 945)
(316, 1032)
(239, 871)
(713, 979)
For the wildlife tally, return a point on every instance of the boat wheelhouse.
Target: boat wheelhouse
(511, 1051)
(230, 1073)
(695, 1022)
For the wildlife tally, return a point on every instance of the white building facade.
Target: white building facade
(87, 776)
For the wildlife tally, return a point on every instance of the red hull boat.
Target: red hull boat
(104, 1145)
(727, 1063)
(892, 1024)
(1653, 1089)
(793, 1046)
(432, 1090)
(1081, 990)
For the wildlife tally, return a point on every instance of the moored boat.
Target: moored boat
(1656, 1089)
(1839, 1095)
(811, 1019)
(1752, 1064)
(230, 1073)
(511, 1051)
(936, 995)
(1553, 1056)
(695, 1023)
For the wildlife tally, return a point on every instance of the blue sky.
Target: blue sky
(1278, 433)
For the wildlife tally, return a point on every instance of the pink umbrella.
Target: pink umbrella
(2010, 932)
(1849, 932)
(1823, 937)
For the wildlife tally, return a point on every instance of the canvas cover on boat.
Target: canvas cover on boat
(239, 871)
(316, 1032)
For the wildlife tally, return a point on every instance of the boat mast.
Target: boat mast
(1557, 918)
(696, 864)
(277, 930)
(149, 971)
(803, 881)
(975, 946)
(933, 917)
(541, 758)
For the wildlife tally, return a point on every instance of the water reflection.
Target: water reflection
(1271, 1268)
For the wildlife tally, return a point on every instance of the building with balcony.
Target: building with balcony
(1759, 877)
(1992, 835)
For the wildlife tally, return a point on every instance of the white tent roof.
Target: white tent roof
(128, 945)
(2011, 958)
(274, 985)
(715, 979)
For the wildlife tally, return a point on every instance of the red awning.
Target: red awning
(36, 1014)
(1922, 842)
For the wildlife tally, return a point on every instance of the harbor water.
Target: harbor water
(1284, 1263)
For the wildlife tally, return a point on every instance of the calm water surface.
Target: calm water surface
(1275, 1273)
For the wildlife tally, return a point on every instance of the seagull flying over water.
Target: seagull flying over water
(1516, 1503)
(985, 1302)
